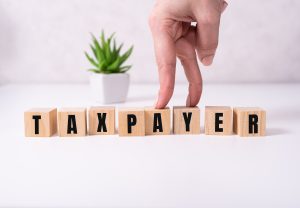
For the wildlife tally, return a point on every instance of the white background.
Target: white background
(43, 41)
(173, 171)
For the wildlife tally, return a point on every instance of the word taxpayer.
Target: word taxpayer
(69, 122)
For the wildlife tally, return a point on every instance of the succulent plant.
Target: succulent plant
(107, 57)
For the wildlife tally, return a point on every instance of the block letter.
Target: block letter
(186, 120)
(157, 121)
(218, 120)
(253, 124)
(131, 122)
(72, 122)
(101, 121)
(72, 127)
(40, 122)
(36, 123)
(249, 122)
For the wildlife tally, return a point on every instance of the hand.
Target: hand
(174, 35)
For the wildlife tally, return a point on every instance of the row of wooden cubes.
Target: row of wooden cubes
(219, 120)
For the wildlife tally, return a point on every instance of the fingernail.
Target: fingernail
(207, 60)
(188, 101)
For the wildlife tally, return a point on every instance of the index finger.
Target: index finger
(165, 54)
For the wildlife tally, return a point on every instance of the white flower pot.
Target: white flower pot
(109, 88)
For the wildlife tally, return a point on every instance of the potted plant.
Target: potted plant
(108, 78)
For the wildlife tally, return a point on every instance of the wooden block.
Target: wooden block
(101, 121)
(186, 120)
(249, 122)
(157, 121)
(218, 120)
(40, 122)
(72, 122)
(131, 122)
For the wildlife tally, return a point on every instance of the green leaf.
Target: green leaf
(125, 68)
(98, 49)
(114, 46)
(94, 51)
(126, 55)
(114, 50)
(107, 56)
(95, 70)
(92, 61)
(107, 52)
(119, 49)
(115, 65)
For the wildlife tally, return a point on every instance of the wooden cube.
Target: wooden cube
(249, 122)
(40, 122)
(101, 121)
(132, 122)
(218, 120)
(186, 120)
(157, 121)
(72, 122)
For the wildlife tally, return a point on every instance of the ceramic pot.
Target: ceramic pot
(109, 88)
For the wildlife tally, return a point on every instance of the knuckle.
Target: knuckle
(166, 66)
(186, 58)
(209, 18)
(197, 86)
(167, 89)
(152, 19)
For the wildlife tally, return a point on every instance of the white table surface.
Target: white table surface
(152, 171)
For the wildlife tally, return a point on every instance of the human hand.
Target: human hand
(174, 36)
